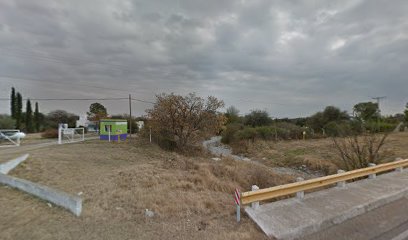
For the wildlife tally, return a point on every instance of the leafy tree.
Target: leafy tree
(7, 122)
(96, 112)
(330, 114)
(13, 102)
(60, 116)
(29, 117)
(19, 110)
(257, 118)
(232, 115)
(182, 119)
(366, 111)
(37, 118)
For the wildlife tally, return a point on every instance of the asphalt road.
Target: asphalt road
(389, 222)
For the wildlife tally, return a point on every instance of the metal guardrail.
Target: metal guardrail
(291, 188)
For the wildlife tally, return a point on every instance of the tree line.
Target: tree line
(29, 121)
(178, 121)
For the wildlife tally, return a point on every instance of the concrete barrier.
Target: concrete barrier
(72, 203)
(5, 168)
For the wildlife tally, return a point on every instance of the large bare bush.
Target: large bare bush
(358, 151)
(183, 119)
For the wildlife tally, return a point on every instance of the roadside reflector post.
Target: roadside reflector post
(372, 176)
(399, 169)
(301, 194)
(255, 205)
(238, 213)
(341, 184)
(237, 199)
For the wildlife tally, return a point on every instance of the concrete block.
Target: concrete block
(72, 203)
(255, 205)
(372, 176)
(341, 184)
(399, 169)
(300, 195)
(6, 167)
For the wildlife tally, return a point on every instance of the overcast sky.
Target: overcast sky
(291, 58)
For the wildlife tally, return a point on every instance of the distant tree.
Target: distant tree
(7, 122)
(232, 115)
(60, 116)
(366, 111)
(257, 118)
(37, 118)
(184, 118)
(96, 112)
(19, 110)
(330, 115)
(29, 117)
(13, 102)
(406, 113)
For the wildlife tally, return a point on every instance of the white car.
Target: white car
(13, 135)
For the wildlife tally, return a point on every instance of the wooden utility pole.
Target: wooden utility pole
(130, 117)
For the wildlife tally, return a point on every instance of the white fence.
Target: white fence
(70, 135)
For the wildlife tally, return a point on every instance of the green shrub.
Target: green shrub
(266, 133)
(338, 129)
(288, 131)
(230, 131)
(377, 127)
(246, 134)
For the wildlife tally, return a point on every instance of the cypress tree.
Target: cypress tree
(13, 103)
(19, 110)
(37, 118)
(29, 116)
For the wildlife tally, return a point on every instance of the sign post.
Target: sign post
(237, 199)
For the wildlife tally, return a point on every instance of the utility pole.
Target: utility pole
(130, 117)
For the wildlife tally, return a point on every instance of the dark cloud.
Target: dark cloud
(291, 58)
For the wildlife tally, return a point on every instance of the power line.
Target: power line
(134, 99)
(54, 82)
(80, 99)
(57, 59)
(65, 99)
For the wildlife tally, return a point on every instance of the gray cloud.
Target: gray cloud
(291, 58)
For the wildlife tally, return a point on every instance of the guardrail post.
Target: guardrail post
(399, 169)
(372, 176)
(255, 205)
(341, 184)
(301, 194)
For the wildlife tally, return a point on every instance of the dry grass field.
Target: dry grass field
(317, 154)
(190, 196)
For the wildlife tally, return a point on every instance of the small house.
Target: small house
(113, 129)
